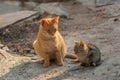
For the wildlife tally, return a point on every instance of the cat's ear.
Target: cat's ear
(55, 19)
(43, 22)
(76, 42)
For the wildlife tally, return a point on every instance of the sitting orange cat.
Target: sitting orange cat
(49, 43)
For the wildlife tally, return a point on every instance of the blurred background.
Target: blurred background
(93, 21)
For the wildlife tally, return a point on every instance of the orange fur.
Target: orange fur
(49, 43)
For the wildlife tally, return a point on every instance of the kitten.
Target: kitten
(88, 54)
(50, 44)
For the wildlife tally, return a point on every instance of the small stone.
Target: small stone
(108, 69)
(5, 48)
(32, 51)
(19, 73)
(115, 64)
(30, 55)
(27, 50)
(103, 73)
(30, 44)
(56, 71)
(1, 45)
(119, 75)
(93, 73)
(116, 19)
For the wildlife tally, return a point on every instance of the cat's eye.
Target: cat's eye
(48, 30)
(54, 29)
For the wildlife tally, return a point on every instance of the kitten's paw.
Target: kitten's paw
(94, 64)
(82, 64)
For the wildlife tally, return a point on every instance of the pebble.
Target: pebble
(5, 48)
(30, 55)
(116, 19)
(1, 45)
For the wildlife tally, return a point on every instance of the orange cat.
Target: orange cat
(49, 43)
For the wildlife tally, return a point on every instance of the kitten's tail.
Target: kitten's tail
(71, 56)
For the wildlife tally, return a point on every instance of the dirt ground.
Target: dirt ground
(83, 24)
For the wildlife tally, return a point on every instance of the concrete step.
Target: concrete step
(11, 18)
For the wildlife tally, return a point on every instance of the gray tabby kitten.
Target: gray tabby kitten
(88, 54)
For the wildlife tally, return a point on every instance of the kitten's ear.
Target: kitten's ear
(55, 19)
(84, 45)
(76, 42)
(43, 22)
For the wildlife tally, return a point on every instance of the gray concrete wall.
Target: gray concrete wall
(93, 3)
(104, 2)
(87, 2)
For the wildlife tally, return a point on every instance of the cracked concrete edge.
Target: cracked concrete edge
(29, 14)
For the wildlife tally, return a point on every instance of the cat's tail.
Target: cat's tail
(71, 56)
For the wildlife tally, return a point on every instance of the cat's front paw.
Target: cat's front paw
(60, 63)
(45, 65)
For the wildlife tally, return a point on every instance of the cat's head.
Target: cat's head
(79, 46)
(50, 25)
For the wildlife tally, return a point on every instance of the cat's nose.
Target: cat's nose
(52, 34)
